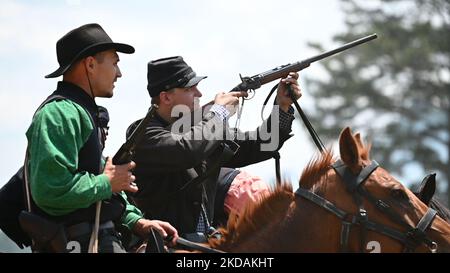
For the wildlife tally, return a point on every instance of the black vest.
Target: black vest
(12, 194)
(89, 160)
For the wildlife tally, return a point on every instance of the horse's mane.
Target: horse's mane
(271, 208)
(258, 215)
(315, 169)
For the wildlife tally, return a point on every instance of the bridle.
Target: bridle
(411, 239)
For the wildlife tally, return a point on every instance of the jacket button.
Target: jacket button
(196, 203)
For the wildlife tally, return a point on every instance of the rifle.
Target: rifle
(255, 82)
(126, 151)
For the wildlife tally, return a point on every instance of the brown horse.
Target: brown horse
(350, 205)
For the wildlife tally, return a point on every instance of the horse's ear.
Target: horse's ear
(359, 140)
(348, 148)
(427, 188)
(363, 149)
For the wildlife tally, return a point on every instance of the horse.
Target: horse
(346, 205)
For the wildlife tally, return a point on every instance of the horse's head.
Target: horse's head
(347, 205)
(388, 216)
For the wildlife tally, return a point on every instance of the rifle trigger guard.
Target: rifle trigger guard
(251, 94)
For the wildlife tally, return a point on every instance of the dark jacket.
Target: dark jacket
(165, 161)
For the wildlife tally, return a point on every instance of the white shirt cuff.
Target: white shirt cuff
(221, 111)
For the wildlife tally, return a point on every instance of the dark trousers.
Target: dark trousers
(108, 242)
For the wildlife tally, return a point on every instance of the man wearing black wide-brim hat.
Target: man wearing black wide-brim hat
(66, 173)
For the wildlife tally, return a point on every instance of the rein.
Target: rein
(276, 155)
(312, 132)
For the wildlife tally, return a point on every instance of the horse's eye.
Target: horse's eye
(399, 194)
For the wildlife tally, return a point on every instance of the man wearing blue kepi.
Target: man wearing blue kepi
(67, 175)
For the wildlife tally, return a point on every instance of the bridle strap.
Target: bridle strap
(426, 220)
(351, 181)
(321, 202)
(355, 220)
(414, 236)
(411, 239)
(417, 235)
(383, 207)
(345, 235)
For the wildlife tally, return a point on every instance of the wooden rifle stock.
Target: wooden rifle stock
(255, 82)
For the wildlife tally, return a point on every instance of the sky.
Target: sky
(218, 38)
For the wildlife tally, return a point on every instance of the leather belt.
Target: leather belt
(84, 228)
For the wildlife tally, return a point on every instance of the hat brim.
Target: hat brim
(194, 81)
(95, 48)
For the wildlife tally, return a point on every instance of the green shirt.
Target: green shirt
(57, 133)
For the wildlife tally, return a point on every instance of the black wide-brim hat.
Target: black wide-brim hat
(167, 73)
(82, 42)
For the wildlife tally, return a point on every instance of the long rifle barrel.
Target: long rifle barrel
(342, 48)
(256, 81)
